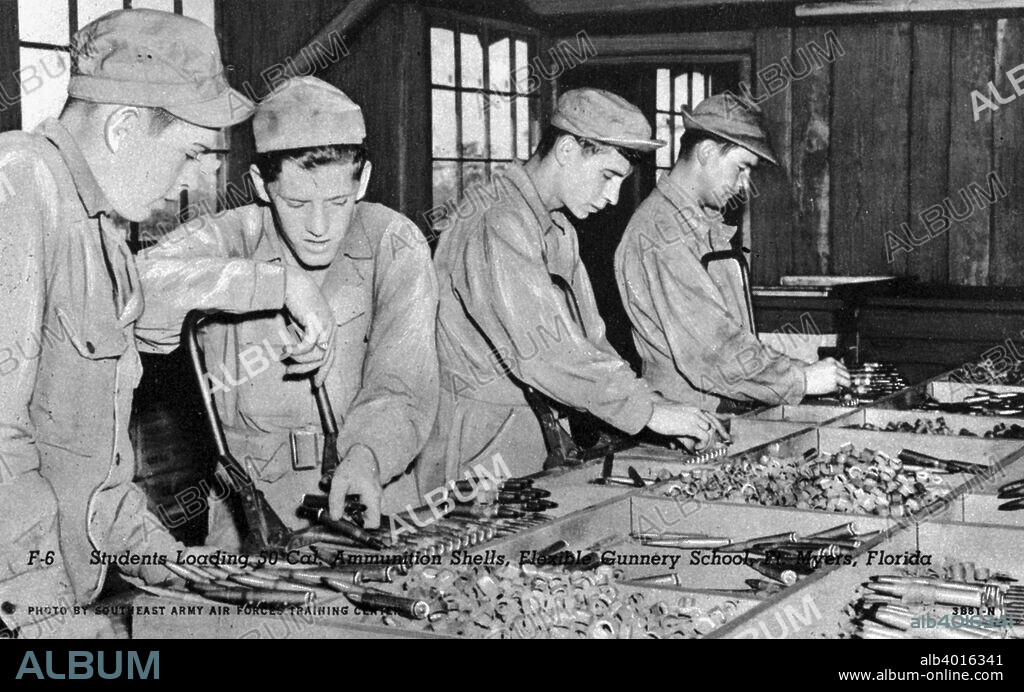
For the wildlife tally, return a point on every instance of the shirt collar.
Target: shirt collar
(268, 246)
(516, 174)
(356, 244)
(707, 223)
(89, 190)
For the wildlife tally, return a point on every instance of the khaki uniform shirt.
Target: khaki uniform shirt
(69, 298)
(516, 306)
(383, 385)
(690, 324)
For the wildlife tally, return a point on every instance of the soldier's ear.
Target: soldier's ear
(364, 180)
(564, 147)
(121, 124)
(705, 150)
(258, 183)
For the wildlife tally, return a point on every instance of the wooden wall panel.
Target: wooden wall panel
(871, 89)
(254, 36)
(10, 60)
(387, 72)
(1007, 255)
(769, 214)
(970, 152)
(899, 136)
(929, 148)
(369, 76)
(812, 107)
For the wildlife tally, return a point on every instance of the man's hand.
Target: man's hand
(687, 422)
(309, 309)
(826, 376)
(358, 474)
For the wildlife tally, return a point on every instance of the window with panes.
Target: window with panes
(482, 113)
(676, 88)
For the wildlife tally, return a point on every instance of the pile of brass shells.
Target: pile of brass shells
(527, 602)
(849, 481)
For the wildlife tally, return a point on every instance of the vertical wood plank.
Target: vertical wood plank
(929, 147)
(771, 211)
(10, 62)
(550, 89)
(373, 58)
(970, 151)
(869, 144)
(1007, 257)
(412, 124)
(811, 248)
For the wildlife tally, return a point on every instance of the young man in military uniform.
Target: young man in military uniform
(517, 308)
(690, 320)
(146, 98)
(368, 266)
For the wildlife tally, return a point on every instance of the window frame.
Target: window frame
(675, 70)
(483, 27)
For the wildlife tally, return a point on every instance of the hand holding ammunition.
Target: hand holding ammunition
(825, 376)
(358, 473)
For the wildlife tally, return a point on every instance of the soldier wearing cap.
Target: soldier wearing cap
(311, 240)
(517, 308)
(690, 321)
(145, 100)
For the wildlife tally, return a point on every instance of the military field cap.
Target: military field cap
(307, 112)
(738, 122)
(155, 59)
(604, 117)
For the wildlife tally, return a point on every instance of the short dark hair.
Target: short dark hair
(691, 138)
(551, 135)
(159, 118)
(269, 163)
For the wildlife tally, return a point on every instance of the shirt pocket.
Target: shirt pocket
(94, 337)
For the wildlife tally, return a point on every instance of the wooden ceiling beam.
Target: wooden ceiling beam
(837, 9)
(576, 7)
(703, 42)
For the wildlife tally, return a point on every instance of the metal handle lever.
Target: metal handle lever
(265, 528)
(330, 461)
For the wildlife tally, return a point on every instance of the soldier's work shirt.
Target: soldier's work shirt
(516, 305)
(689, 323)
(383, 384)
(69, 298)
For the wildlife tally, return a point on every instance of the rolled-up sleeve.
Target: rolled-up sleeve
(201, 266)
(395, 409)
(511, 297)
(709, 346)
